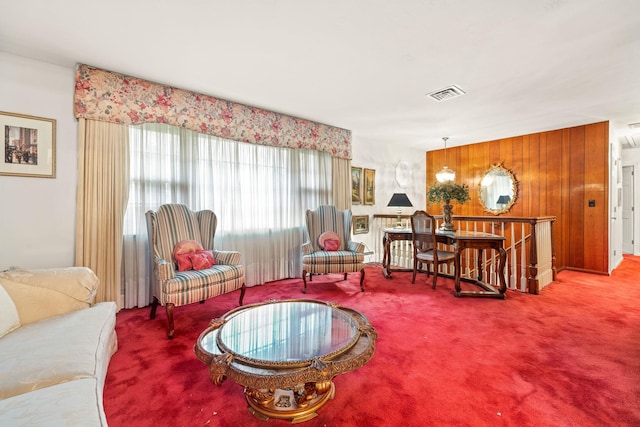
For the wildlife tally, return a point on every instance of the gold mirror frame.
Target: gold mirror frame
(498, 190)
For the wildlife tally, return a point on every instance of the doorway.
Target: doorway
(628, 208)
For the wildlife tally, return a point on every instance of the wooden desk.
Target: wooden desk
(391, 235)
(461, 240)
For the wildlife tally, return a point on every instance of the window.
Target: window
(259, 194)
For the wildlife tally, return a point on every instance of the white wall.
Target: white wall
(615, 211)
(631, 157)
(37, 215)
(383, 158)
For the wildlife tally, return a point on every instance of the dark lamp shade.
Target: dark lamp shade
(399, 200)
(503, 200)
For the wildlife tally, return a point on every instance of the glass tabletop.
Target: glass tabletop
(287, 333)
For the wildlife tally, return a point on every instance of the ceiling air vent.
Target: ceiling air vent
(446, 93)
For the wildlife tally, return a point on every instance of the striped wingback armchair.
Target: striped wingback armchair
(318, 258)
(170, 225)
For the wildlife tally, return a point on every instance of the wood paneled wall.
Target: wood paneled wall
(558, 172)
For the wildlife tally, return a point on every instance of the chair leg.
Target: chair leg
(242, 293)
(154, 306)
(415, 270)
(361, 280)
(345, 276)
(435, 275)
(304, 280)
(170, 307)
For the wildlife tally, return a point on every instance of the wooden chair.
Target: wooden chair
(425, 246)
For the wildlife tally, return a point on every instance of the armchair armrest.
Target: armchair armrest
(307, 248)
(227, 257)
(164, 269)
(357, 247)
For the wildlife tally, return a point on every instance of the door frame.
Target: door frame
(635, 217)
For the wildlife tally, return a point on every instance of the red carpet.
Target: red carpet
(567, 357)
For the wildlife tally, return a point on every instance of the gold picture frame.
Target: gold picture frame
(29, 146)
(360, 224)
(369, 187)
(356, 185)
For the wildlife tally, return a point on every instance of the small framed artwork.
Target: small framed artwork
(369, 187)
(29, 146)
(360, 224)
(356, 185)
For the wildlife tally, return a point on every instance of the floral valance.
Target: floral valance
(106, 96)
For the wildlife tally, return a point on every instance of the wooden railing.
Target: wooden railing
(529, 246)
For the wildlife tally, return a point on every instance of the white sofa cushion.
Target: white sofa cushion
(58, 349)
(9, 319)
(69, 404)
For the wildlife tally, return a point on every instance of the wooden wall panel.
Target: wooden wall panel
(478, 159)
(576, 195)
(531, 190)
(553, 187)
(566, 174)
(463, 169)
(596, 173)
(558, 171)
(519, 146)
(540, 150)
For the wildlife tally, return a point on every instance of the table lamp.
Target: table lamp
(399, 200)
(503, 200)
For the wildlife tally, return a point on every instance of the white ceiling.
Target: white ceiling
(364, 65)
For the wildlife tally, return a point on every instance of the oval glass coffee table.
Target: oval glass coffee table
(286, 353)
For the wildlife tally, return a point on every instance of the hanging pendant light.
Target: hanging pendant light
(445, 174)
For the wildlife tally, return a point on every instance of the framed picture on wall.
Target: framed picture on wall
(360, 224)
(356, 185)
(369, 187)
(29, 146)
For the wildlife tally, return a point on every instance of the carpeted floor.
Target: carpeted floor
(567, 357)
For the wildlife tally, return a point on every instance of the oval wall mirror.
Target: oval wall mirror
(498, 190)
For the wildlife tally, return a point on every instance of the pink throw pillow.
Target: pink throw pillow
(331, 245)
(186, 247)
(181, 254)
(209, 256)
(328, 235)
(200, 261)
(184, 262)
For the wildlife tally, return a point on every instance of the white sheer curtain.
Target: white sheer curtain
(259, 194)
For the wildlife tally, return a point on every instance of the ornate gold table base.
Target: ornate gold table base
(298, 404)
(286, 353)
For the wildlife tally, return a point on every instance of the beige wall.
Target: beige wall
(37, 218)
(384, 158)
(37, 215)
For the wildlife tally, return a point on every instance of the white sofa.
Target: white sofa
(55, 347)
